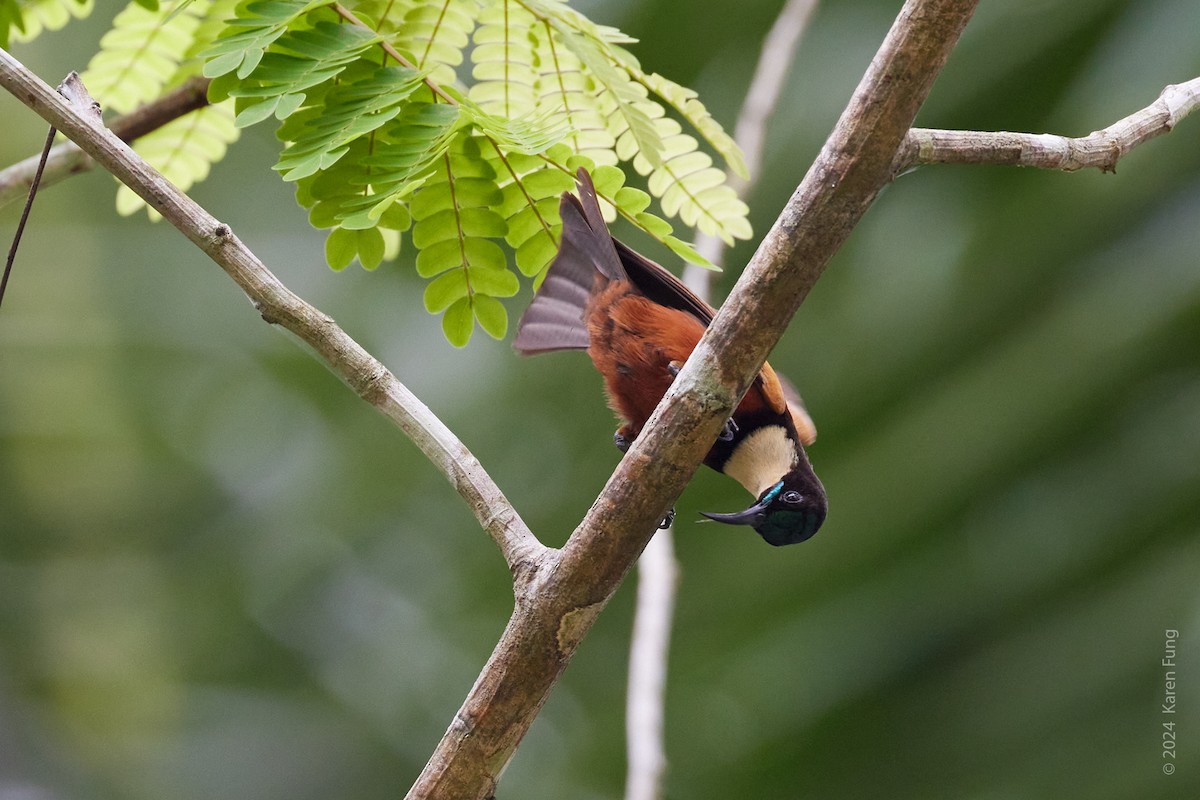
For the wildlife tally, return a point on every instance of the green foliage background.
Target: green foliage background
(221, 575)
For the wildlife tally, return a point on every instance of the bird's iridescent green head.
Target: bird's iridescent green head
(788, 512)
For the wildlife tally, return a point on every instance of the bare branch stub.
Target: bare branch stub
(78, 95)
(1100, 149)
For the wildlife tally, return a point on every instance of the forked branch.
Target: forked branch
(67, 159)
(278, 305)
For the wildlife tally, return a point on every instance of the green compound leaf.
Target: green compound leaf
(625, 100)
(690, 187)
(473, 170)
(351, 110)
(256, 24)
(614, 86)
(529, 135)
(530, 188)
(404, 153)
(687, 103)
(24, 20)
(140, 55)
(435, 33)
(503, 58)
(564, 88)
(457, 223)
(297, 62)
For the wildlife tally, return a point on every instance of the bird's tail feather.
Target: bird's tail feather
(554, 320)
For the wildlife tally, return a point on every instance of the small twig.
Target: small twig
(762, 98)
(33, 187)
(67, 159)
(76, 93)
(278, 305)
(1101, 149)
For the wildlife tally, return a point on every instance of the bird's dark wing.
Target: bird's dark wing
(660, 285)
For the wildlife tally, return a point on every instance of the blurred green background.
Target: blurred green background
(221, 575)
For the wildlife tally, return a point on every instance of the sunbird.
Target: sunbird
(639, 323)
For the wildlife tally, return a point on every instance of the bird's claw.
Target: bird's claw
(728, 432)
(667, 520)
(622, 441)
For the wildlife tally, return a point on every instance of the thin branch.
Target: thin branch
(658, 569)
(278, 305)
(762, 98)
(770, 74)
(1101, 149)
(33, 188)
(646, 756)
(67, 159)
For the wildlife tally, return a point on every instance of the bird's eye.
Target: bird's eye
(791, 498)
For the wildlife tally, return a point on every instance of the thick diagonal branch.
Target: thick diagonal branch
(1101, 149)
(548, 624)
(278, 305)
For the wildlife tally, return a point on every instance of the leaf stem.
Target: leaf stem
(349, 16)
